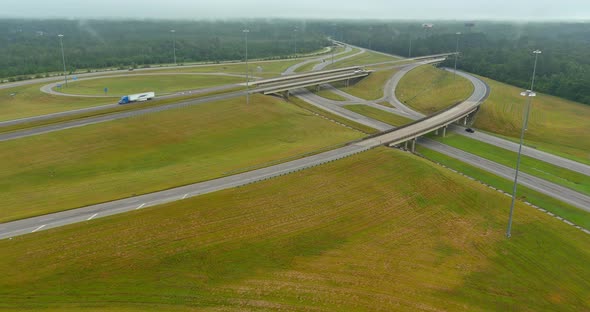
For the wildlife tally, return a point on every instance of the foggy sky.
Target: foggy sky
(327, 9)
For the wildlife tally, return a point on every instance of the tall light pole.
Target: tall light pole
(174, 44)
(246, 31)
(456, 54)
(529, 94)
(295, 40)
(63, 57)
(410, 50)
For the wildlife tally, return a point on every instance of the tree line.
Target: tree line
(501, 51)
(29, 47)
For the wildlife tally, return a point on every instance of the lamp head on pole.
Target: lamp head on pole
(60, 35)
(537, 52)
(458, 33)
(246, 30)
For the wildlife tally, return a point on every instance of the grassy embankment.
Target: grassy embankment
(541, 169)
(122, 158)
(263, 69)
(337, 118)
(379, 231)
(309, 67)
(160, 84)
(428, 89)
(363, 59)
(556, 125)
(569, 212)
(377, 114)
(371, 87)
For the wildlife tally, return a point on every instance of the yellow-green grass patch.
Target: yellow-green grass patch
(378, 114)
(428, 89)
(265, 69)
(567, 211)
(158, 83)
(30, 101)
(363, 59)
(379, 231)
(371, 87)
(555, 125)
(327, 93)
(151, 152)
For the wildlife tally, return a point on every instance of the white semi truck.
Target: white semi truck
(139, 97)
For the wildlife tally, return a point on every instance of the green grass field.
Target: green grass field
(372, 86)
(363, 59)
(30, 101)
(160, 84)
(556, 125)
(309, 67)
(559, 208)
(428, 89)
(543, 170)
(375, 113)
(263, 69)
(379, 231)
(61, 170)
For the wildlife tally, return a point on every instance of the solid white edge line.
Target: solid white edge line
(185, 195)
(92, 216)
(140, 206)
(37, 229)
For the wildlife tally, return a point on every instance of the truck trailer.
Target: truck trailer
(139, 97)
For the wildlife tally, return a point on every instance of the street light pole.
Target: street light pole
(456, 54)
(529, 94)
(174, 44)
(295, 40)
(63, 57)
(246, 31)
(410, 50)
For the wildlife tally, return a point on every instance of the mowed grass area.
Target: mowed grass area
(30, 101)
(371, 87)
(378, 114)
(162, 83)
(555, 125)
(263, 69)
(570, 179)
(380, 231)
(123, 158)
(569, 212)
(428, 89)
(309, 66)
(327, 93)
(363, 59)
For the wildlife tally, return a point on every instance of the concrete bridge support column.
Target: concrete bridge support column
(436, 132)
(406, 145)
(413, 145)
(286, 94)
(318, 88)
(465, 120)
(444, 131)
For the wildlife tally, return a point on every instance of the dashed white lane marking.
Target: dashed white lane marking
(92, 216)
(140, 206)
(37, 229)
(185, 195)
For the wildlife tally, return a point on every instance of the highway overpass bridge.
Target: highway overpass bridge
(282, 85)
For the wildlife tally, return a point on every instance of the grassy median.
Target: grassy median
(428, 89)
(378, 114)
(379, 231)
(151, 152)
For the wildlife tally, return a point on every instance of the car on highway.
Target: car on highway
(470, 130)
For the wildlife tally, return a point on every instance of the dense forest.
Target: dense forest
(32, 46)
(501, 51)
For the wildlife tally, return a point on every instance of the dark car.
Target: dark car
(470, 130)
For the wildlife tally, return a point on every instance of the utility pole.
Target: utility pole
(529, 94)
(63, 57)
(174, 44)
(246, 31)
(456, 55)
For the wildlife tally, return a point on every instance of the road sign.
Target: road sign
(59, 86)
(74, 78)
(106, 90)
